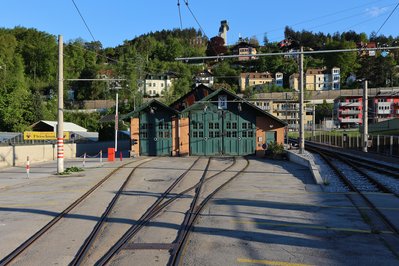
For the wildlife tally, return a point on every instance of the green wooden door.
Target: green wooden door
(205, 133)
(155, 134)
(239, 134)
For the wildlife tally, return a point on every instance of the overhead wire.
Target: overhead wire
(178, 7)
(387, 19)
(195, 18)
(84, 21)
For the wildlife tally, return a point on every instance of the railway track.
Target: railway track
(29, 242)
(125, 242)
(360, 185)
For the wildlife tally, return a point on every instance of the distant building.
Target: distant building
(261, 78)
(318, 79)
(156, 85)
(247, 50)
(348, 111)
(385, 106)
(286, 110)
(204, 77)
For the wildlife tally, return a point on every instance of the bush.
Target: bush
(276, 148)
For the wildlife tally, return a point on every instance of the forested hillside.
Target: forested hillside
(29, 61)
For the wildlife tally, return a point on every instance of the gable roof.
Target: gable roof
(68, 126)
(149, 104)
(239, 99)
(196, 94)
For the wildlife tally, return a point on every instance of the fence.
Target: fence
(387, 145)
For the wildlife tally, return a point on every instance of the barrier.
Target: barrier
(111, 154)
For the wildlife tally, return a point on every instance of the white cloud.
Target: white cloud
(376, 11)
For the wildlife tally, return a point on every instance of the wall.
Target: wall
(264, 124)
(184, 136)
(36, 153)
(135, 134)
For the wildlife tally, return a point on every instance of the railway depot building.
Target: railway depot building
(203, 122)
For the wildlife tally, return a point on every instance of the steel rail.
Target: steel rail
(14, 254)
(144, 219)
(352, 187)
(178, 250)
(147, 217)
(81, 255)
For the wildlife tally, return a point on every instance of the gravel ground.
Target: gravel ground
(332, 182)
(387, 181)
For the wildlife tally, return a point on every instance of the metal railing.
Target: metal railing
(386, 145)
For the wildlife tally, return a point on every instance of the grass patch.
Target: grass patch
(71, 170)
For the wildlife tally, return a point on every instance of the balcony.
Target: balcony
(348, 104)
(384, 112)
(350, 120)
(350, 112)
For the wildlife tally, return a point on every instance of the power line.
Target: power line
(178, 7)
(84, 21)
(387, 18)
(189, 9)
(289, 53)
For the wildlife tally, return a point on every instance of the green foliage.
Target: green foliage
(71, 170)
(275, 148)
(324, 110)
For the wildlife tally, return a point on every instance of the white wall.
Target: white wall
(36, 153)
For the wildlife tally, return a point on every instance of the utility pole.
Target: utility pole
(301, 122)
(116, 122)
(365, 116)
(314, 121)
(60, 124)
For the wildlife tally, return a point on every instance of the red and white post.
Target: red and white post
(84, 160)
(27, 167)
(101, 157)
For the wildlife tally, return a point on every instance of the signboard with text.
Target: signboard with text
(43, 135)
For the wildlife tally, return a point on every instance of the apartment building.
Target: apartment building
(287, 111)
(317, 79)
(348, 111)
(156, 85)
(384, 106)
(260, 78)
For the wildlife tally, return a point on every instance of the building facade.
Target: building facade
(204, 77)
(317, 79)
(157, 85)
(287, 111)
(221, 123)
(263, 78)
(246, 50)
(385, 106)
(348, 111)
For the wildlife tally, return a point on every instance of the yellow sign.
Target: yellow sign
(43, 135)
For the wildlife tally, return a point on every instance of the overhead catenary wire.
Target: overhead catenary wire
(178, 7)
(387, 19)
(195, 18)
(84, 21)
(287, 53)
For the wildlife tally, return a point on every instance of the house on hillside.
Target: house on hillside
(156, 85)
(260, 78)
(204, 77)
(247, 50)
(318, 79)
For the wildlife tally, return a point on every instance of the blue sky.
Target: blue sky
(112, 22)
